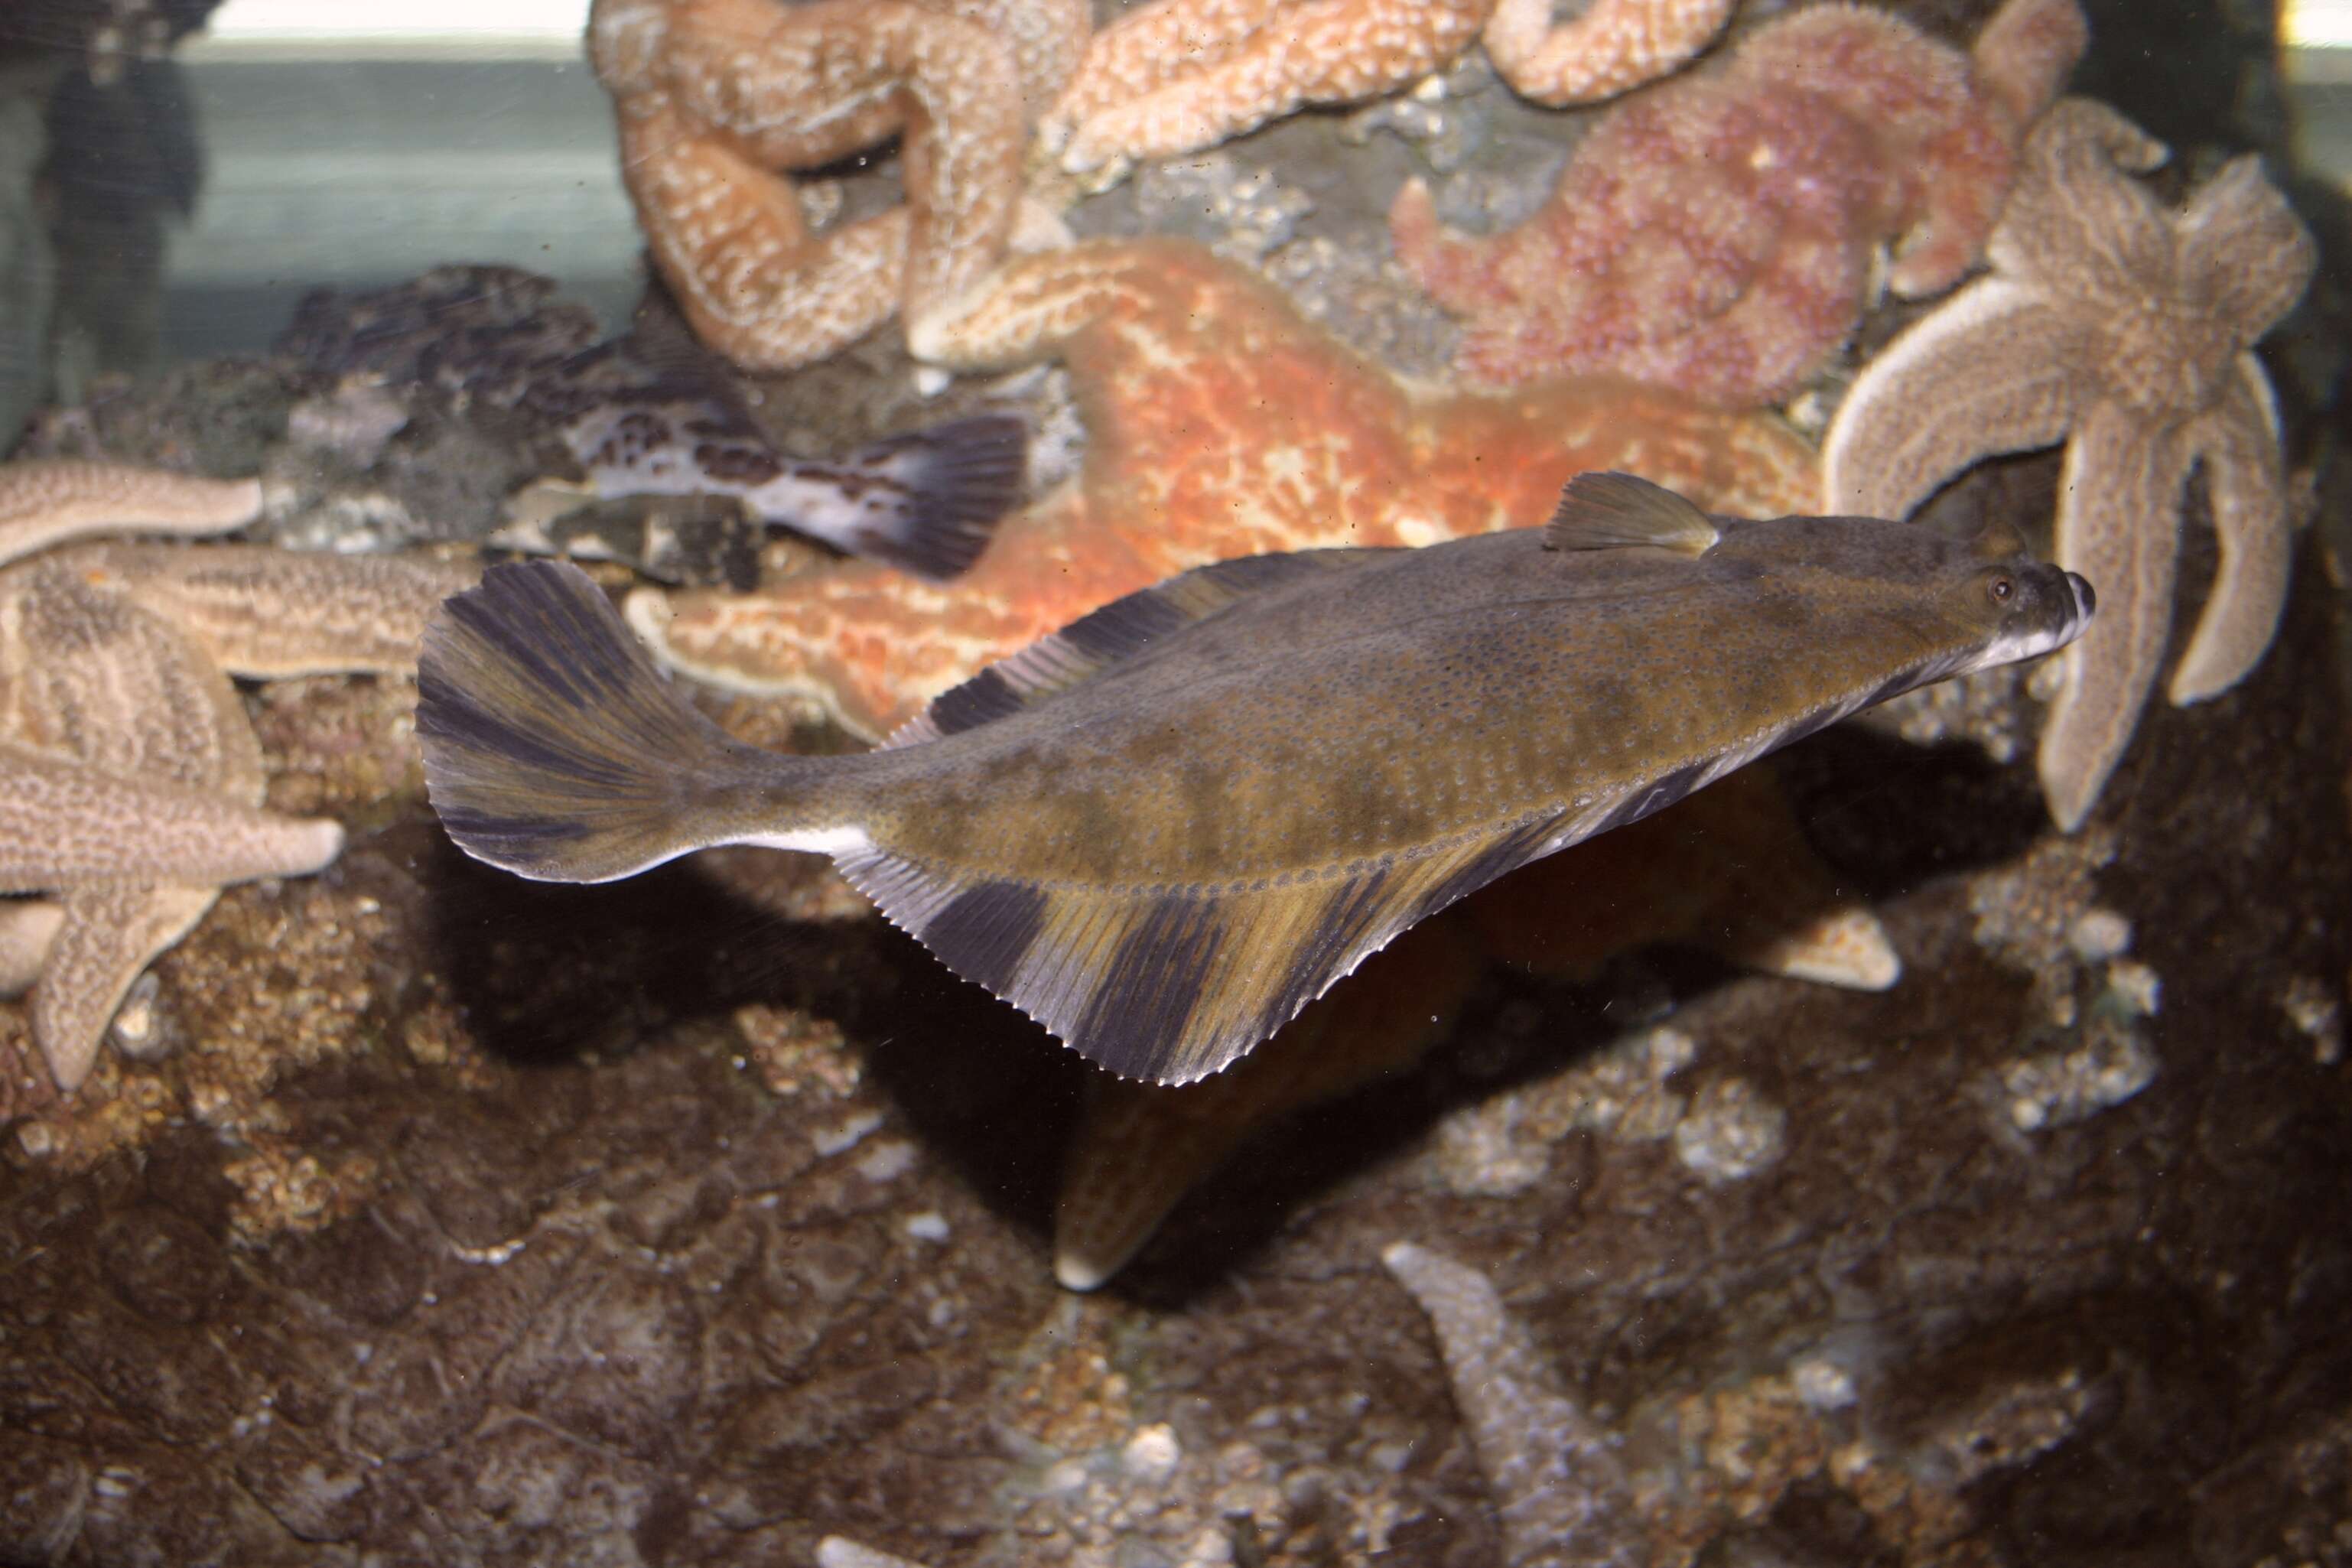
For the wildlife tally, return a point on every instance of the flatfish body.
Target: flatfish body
(1164, 830)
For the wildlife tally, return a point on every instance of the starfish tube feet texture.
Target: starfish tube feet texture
(61, 823)
(1716, 235)
(2127, 331)
(1614, 47)
(46, 502)
(717, 100)
(1181, 75)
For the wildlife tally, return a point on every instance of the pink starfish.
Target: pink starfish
(1218, 423)
(1716, 235)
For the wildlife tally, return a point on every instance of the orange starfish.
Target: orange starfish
(1220, 422)
(717, 99)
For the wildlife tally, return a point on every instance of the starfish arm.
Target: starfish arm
(2075, 221)
(1029, 307)
(108, 936)
(273, 614)
(1322, 51)
(27, 928)
(1146, 48)
(46, 502)
(62, 823)
(110, 685)
(1994, 369)
(1051, 39)
(713, 100)
(2024, 53)
(1557, 1487)
(1614, 46)
(731, 240)
(2245, 482)
(2243, 253)
(2118, 525)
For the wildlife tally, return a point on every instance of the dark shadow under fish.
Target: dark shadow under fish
(1163, 830)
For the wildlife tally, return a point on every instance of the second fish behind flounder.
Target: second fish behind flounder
(1164, 830)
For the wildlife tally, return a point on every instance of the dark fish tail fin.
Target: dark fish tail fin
(951, 484)
(554, 747)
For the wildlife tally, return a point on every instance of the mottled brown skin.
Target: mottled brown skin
(1419, 696)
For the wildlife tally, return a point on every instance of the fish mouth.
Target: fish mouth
(2086, 601)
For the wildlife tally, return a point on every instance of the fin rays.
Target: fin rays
(1170, 984)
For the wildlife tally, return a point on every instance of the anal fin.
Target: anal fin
(1171, 984)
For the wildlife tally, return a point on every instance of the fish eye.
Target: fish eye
(2001, 589)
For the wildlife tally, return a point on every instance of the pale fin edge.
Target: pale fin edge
(1613, 511)
(1171, 985)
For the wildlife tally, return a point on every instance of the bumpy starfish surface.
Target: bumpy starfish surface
(130, 781)
(1182, 75)
(1560, 1493)
(1615, 44)
(2128, 332)
(1717, 235)
(1728, 869)
(717, 100)
(1218, 423)
(48, 501)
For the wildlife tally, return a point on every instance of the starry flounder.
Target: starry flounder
(1163, 830)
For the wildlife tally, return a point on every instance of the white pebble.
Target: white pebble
(1151, 1455)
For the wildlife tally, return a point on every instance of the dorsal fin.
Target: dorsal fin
(1610, 511)
(1119, 631)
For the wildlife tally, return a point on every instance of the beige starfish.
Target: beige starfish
(131, 780)
(717, 100)
(1614, 47)
(1560, 1492)
(2127, 331)
(1182, 75)
(49, 500)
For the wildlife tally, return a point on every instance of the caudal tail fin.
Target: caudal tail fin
(950, 485)
(554, 747)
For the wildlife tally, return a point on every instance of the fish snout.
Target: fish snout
(2086, 598)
